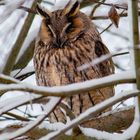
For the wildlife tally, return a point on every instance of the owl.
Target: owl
(68, 39)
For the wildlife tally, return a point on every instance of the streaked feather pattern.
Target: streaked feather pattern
(57, 57)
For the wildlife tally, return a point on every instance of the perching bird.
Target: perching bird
(67, 40)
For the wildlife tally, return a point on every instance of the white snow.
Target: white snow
(115, 42)
(69, 89)
(31, 124)
(9, 8)
(60, 4)
(31, 36)
(24, 71)
(12, 103)
(92, 111)
(8, 78)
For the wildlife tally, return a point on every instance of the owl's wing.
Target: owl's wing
(106, 67)
(83, 101)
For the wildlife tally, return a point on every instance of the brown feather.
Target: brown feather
(57, 64)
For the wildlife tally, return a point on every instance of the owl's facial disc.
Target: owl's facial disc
(62, 25)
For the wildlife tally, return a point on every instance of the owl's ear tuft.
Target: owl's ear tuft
(43, 12)
(71, 10)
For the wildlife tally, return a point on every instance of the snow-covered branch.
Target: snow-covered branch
(114, 122)
(68, 90)
(49, 108)
(12, 103)
(9, 64)
(93, 111)
(134, 38)
(7, 80)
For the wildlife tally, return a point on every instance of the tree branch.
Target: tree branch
(35, 123)
(18, 44)
(7, 80)
(114, 122)
(26, 57)
(85, 3)
(106, 17)
(91, 112)
(72, 89)
(134, 39)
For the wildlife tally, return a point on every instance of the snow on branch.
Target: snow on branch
(114, 121)
(22, 72)
(12, 103)
(134, 40)
(7, 80)
(11, 60)
(100, 59)
(76, 88)
(93, 111)
(49, 108)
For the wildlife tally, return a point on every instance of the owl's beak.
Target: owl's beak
(59, 43)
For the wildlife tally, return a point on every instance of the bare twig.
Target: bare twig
(17, 117)
(29, 10)
(118, 6)
(99, 60)
(113, 33)
(95, 8)
(7, 105)
(106, 17)
(106, 28)
(89, 2)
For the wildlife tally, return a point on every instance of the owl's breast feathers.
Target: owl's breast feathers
(57, 65)
(60, 67)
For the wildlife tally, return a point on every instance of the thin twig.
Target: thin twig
(17, 117)
(29, 10)
(113, 33)
(85, 3)
(118, 6)
(110, 24)
(95, 8)
(106, 28)
(99, 60)
(7, 80)
(106, 17)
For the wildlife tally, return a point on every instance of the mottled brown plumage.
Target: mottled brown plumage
(67, 40)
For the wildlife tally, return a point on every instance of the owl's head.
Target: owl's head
(63, 26)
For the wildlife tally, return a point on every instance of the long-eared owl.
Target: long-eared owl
(67, 40)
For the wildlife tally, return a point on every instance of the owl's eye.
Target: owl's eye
(68, 28)
(52, 31)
